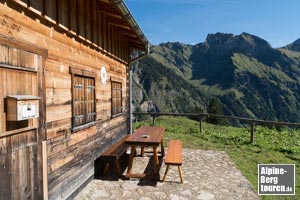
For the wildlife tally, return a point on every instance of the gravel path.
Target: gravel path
(208, 175)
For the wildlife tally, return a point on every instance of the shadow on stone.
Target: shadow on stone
(151, 178)
(112, 174)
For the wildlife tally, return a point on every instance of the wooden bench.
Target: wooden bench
(174, 157)
(113, 154)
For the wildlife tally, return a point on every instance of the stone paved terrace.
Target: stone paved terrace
(208, 175)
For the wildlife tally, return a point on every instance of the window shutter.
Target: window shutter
(90, 100)
(83, 98)
(79, 101)
(116, 99)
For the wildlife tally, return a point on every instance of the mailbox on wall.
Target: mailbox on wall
(22, 107)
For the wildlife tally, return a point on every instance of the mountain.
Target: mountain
(295, 46)
(250, 78)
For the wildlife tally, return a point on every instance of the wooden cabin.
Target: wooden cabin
(64, 91)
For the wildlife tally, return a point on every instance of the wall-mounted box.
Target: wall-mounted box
(22, 107)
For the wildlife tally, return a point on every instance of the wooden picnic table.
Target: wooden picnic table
(146, 136)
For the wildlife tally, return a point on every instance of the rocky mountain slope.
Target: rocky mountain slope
(250, 78)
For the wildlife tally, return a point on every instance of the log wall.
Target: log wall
(70, 155)
(19, 166)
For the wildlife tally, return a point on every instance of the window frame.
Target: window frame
(118, 82)
(86, 75)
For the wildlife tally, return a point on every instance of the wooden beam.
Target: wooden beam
(44, 7)
(111, 14)
(77, 17)
(120, 22)
(44, 170)
(99, 29)
(88, 20)
(93, 21)
(252, 127)
(107, 7)
(127, 32)
(104, 31)
(18, 131)
(69, 14)
(57, 11)
(15, 43)
(85, 17)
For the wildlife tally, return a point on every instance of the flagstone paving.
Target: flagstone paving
(208, 175)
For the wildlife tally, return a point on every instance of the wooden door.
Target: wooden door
(20, 141)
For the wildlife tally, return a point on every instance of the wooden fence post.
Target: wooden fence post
(200, 123)
(153, 118)
(252, 132)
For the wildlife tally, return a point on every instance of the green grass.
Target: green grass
(270, 146)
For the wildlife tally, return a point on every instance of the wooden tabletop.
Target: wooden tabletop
(146, 135)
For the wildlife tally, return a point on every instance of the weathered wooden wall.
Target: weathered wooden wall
(19, 166)
(19, 150)
(70, 156)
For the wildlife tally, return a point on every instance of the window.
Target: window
(84, 101)
(116, 98)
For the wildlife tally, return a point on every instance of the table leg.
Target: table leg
(156, 162)
(142, 151)
(162, 147)
(132, 152)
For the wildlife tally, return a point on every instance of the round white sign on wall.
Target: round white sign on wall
(103, 75)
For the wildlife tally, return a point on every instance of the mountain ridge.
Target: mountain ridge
(250, 78)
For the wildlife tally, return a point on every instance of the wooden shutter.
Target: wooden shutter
(116, 98)
(79, 101)
(90, 100)
(84, 98)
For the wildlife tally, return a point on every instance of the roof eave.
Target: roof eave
(135, 27)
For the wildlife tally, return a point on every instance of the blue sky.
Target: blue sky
(189, 21)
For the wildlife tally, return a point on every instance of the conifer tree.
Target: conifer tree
(215, 107)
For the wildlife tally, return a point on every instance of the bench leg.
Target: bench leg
(180, 173)
(117, 163)
(106, 168)
(164, 178)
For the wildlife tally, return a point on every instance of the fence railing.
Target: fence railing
(202, 116)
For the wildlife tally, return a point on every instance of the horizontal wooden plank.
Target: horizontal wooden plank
(52, 149)
(54, 66)
(58, 96)
(59, 163)
(60, 143)
(60, 124)
(82, 135)
(16, 43)
(71, 180)
(57, 80)
(56, 113)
